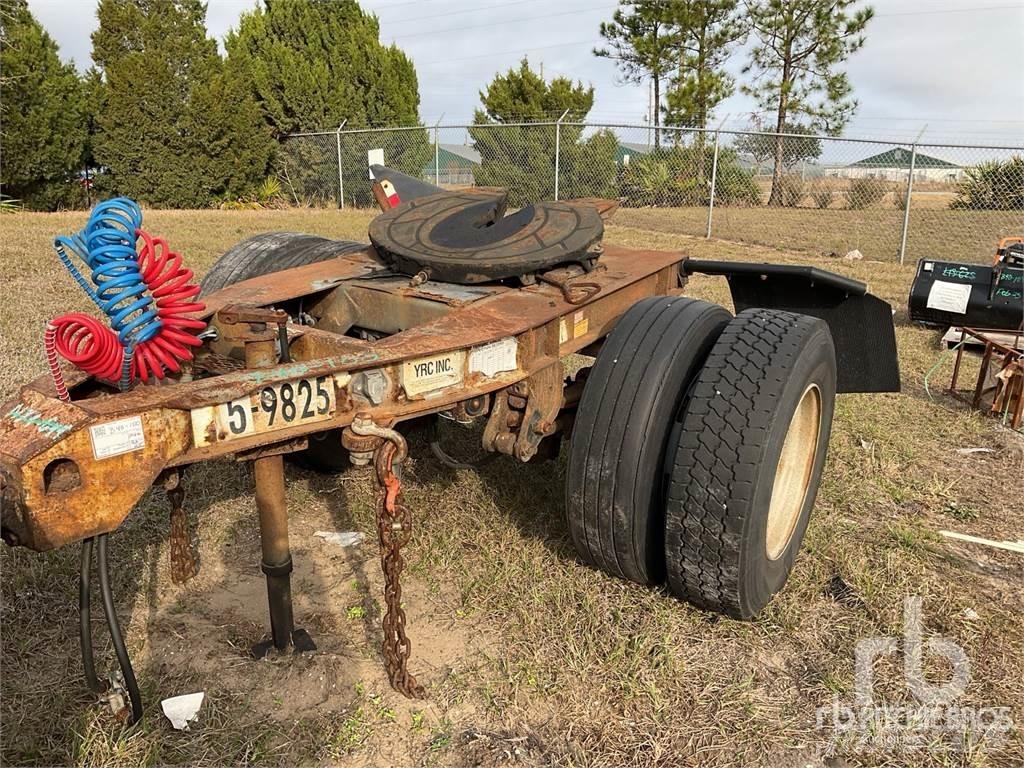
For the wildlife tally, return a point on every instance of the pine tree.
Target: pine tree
(643, 42)
(172, 128)
(521, 157)
(312, 65)
(799, 45)
(760, 145)
(41, 112)
(706, 33)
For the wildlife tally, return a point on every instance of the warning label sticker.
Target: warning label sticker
(116, 437)
(492, 359)
(580, 325)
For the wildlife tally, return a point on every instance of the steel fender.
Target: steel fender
(861, 323)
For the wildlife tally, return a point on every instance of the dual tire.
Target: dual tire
(698, 445)
(698, 449)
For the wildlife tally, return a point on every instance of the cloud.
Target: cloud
(959, 72)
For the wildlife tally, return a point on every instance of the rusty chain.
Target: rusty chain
(394, 527)
(183, 563)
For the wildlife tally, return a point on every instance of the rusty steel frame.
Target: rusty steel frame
(1013, 394)
(39, 432)
(363, 335)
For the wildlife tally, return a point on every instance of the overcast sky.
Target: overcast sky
(954, 65)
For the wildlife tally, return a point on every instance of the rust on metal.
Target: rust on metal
(469, 322)
(371, 332)
(111, 486)
(394, 529)
(183, 562)
(274, 449)
(606, 208)
(1000, 376)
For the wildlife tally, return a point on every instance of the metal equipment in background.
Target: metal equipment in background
(973, 295)
(999, 387)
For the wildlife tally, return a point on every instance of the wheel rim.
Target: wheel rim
(793, 472)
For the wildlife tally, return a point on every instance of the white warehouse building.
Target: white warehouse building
(894, 165)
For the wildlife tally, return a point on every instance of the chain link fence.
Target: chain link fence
(886, 199)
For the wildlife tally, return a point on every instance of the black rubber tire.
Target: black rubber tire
(614, 489)
(272, 252)
(722, 470)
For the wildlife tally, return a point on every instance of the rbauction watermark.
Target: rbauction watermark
(934, 722)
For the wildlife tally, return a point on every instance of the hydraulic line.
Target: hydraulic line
(446, 458)
(130, 683)
(85, 625)
(85, 618)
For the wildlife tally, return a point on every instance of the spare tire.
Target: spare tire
(272, 252)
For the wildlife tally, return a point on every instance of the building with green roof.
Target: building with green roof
(458, 164)
(894, 165)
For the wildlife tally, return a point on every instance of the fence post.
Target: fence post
(909, 193)
(714, 179)
(906, 202)
(437, 160)
(437, 152)
(341, 180)
(558, 148)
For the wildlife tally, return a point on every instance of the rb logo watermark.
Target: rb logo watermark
(934, 722)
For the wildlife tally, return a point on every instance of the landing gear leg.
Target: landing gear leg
(277, 559)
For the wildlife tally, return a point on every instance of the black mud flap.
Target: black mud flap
(861, 324)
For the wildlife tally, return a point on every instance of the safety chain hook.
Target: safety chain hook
(394, 528)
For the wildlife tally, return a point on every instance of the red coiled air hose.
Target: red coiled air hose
(95, 348)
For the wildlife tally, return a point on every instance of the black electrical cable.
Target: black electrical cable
(115, 633)
(447, 459)
(84, 619)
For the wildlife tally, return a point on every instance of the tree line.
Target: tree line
(165, 117)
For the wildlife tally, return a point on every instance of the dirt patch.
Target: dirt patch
(207, 628)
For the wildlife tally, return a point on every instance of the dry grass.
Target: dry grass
(531, 657)
(937, 233)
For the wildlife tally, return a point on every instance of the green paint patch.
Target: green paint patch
(25, 415)
(303, 368)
